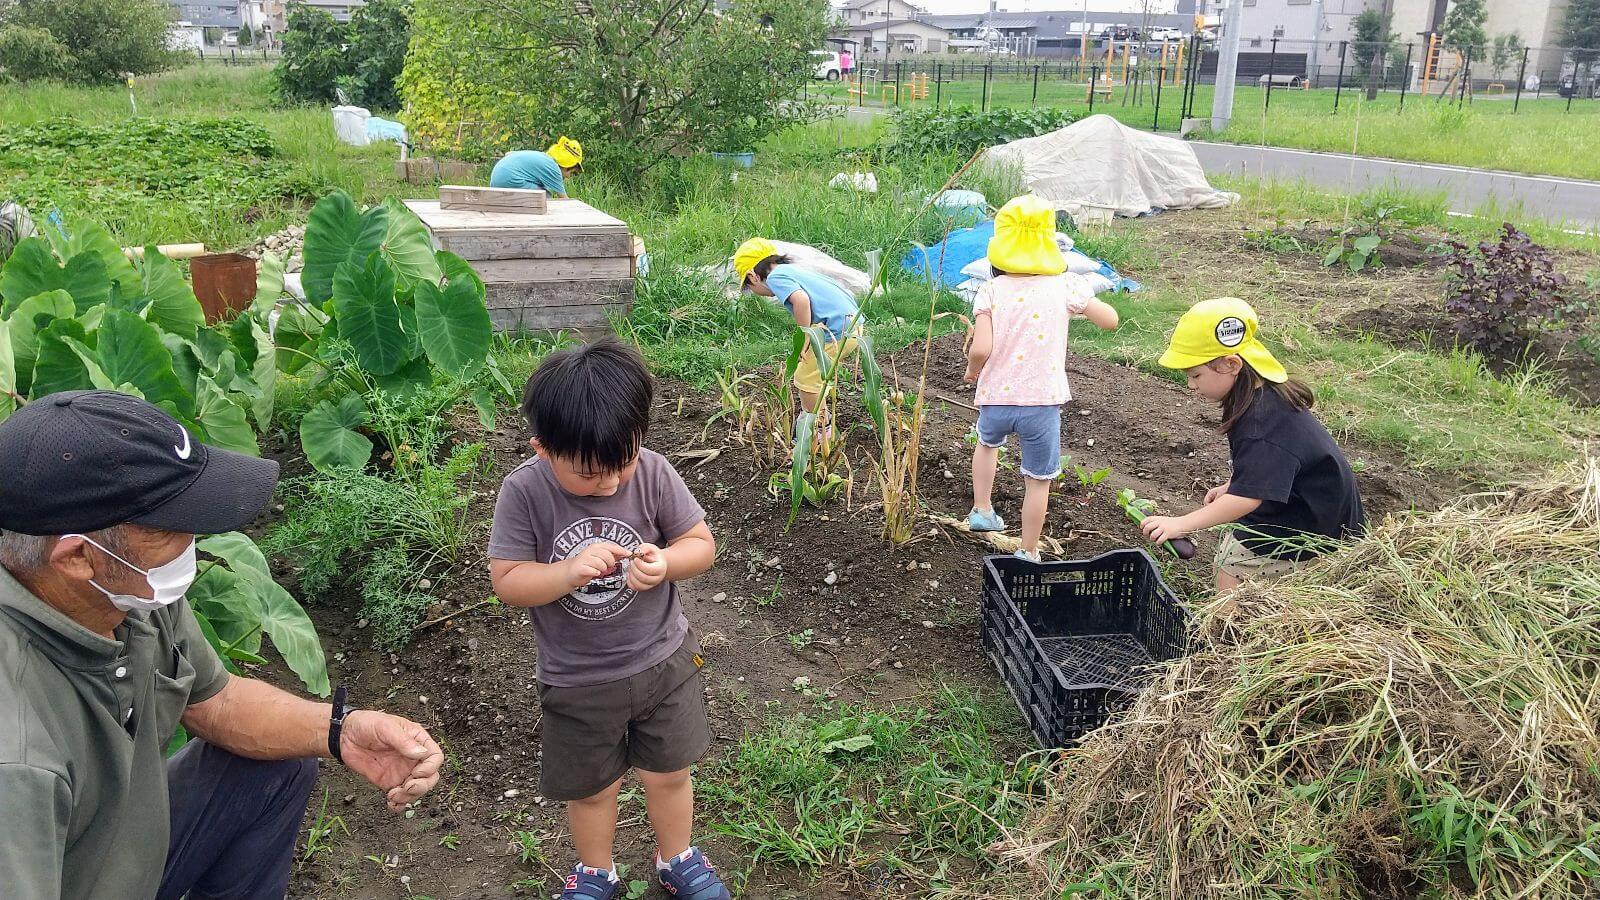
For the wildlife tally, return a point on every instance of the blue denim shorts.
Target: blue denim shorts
(1038, 428)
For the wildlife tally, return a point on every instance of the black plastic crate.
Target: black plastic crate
(1072, 639)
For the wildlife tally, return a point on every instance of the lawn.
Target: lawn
(864, 744)
(1543, 136)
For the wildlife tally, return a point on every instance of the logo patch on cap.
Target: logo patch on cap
(1230, 331)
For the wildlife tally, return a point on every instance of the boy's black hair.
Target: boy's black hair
(591, 404)
(764, 268)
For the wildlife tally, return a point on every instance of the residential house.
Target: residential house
(1053, 33)
(858, 13)
(269, 15)
(884, 40)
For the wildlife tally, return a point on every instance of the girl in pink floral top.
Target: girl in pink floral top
(1018, 357)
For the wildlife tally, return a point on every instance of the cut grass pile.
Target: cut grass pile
(1418, 715)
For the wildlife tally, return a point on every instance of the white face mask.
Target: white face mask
(168, 581)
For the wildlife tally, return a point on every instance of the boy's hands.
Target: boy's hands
(594, 561)
(649, 568)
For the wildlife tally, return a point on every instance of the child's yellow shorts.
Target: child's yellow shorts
(807, 374)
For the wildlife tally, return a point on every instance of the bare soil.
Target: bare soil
(893, 624)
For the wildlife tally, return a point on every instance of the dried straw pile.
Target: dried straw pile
(1415, 717)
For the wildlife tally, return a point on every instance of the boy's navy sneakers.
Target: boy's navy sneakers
(586, 883)
(691, 877)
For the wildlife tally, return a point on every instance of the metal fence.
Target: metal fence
(235, 56)
(1172, 81)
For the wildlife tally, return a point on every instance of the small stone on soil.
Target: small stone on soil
(927, 624)
(510, 793)
(718, 597)
(831, 578)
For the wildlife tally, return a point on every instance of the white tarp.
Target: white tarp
(1101, 164)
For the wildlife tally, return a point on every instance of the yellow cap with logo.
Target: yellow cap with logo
(1024, 241)
(749, 254)
(1212, 329)
(567, 152)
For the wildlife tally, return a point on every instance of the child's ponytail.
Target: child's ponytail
(1245, 388)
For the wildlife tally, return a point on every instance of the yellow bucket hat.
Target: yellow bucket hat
(1212, 329)
(567, 152)
(749, 254)
(1024, 241)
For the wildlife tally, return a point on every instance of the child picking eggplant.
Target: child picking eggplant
(1291, 492)
(1018, 357)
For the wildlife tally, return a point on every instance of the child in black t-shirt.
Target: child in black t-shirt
(1292, 491)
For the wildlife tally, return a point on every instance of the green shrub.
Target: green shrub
(29, 54)
(103, 39)
(963, 129)
(362, 58)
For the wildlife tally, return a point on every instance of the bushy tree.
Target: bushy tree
(1463, 26)
(27, 54)
(313, 56)
(363, 58)
(246, 36)
(379, 34)
(1581, 30)
(636, 80)
(102, 39)
(1504, 52)
(1373, 43)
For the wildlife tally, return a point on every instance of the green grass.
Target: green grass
(1542, 137)
(303, 136)
(911, 789)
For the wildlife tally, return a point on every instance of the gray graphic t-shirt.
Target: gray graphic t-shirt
(604, 631)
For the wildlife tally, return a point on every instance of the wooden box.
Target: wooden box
(568, 268)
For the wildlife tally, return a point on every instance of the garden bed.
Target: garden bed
(827, 601)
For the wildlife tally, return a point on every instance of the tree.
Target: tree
(362, 58)
(1463, 26)
(1581, 30)
(103, 39)
(380, 32)
(313, 56)
(1504, 52)
(29, 54)
(636, 80)
(1373, 41)
(246, 37)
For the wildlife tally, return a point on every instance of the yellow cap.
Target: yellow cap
(1212, 329)
(1024, 241)
(749, 254)
(567, 152)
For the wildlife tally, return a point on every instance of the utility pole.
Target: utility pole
(1316, 46)
(1227, 65)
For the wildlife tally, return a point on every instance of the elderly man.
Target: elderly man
(101, 496)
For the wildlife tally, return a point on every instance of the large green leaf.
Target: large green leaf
(247, 595)
(8, 372)
(88, 237)
(336, 233)
(409, 380)
(295, 335)
(185, 360)
(454, 326)
(408, 247)
(269, 285)
(283, 620)
(872, 384)
(31, 315)
(97, 375)
(58, 367)
(228, 605)
(223, 419)
(329, 437)
(33, 270)
(130, 352)
(172, 303)
(263, 368)
(457, 269)
(369, 318)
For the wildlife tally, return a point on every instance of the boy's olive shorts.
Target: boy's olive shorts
(1234, 558)
(654, 720)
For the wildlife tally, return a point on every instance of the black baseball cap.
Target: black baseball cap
(80, 461)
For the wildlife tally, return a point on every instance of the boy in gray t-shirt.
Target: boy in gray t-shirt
(591, 535)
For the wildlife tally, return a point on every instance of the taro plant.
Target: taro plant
(1359, 242)
(385, 315)
(77, 314)
(1504, 294)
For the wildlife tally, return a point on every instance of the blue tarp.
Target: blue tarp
(945, 260)
(385, 130)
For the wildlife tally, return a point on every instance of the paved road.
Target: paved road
(1560, 201)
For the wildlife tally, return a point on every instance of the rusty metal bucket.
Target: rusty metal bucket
(225, 283)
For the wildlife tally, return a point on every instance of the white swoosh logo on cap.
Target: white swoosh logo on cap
(183, 452)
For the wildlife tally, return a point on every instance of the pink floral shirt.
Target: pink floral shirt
(1028, 366)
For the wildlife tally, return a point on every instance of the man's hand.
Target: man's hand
(1160, 529)
(1218, 491)
(594, 561)
(648, 568)
(396, 755)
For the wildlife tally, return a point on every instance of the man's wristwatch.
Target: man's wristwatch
(336, 721)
